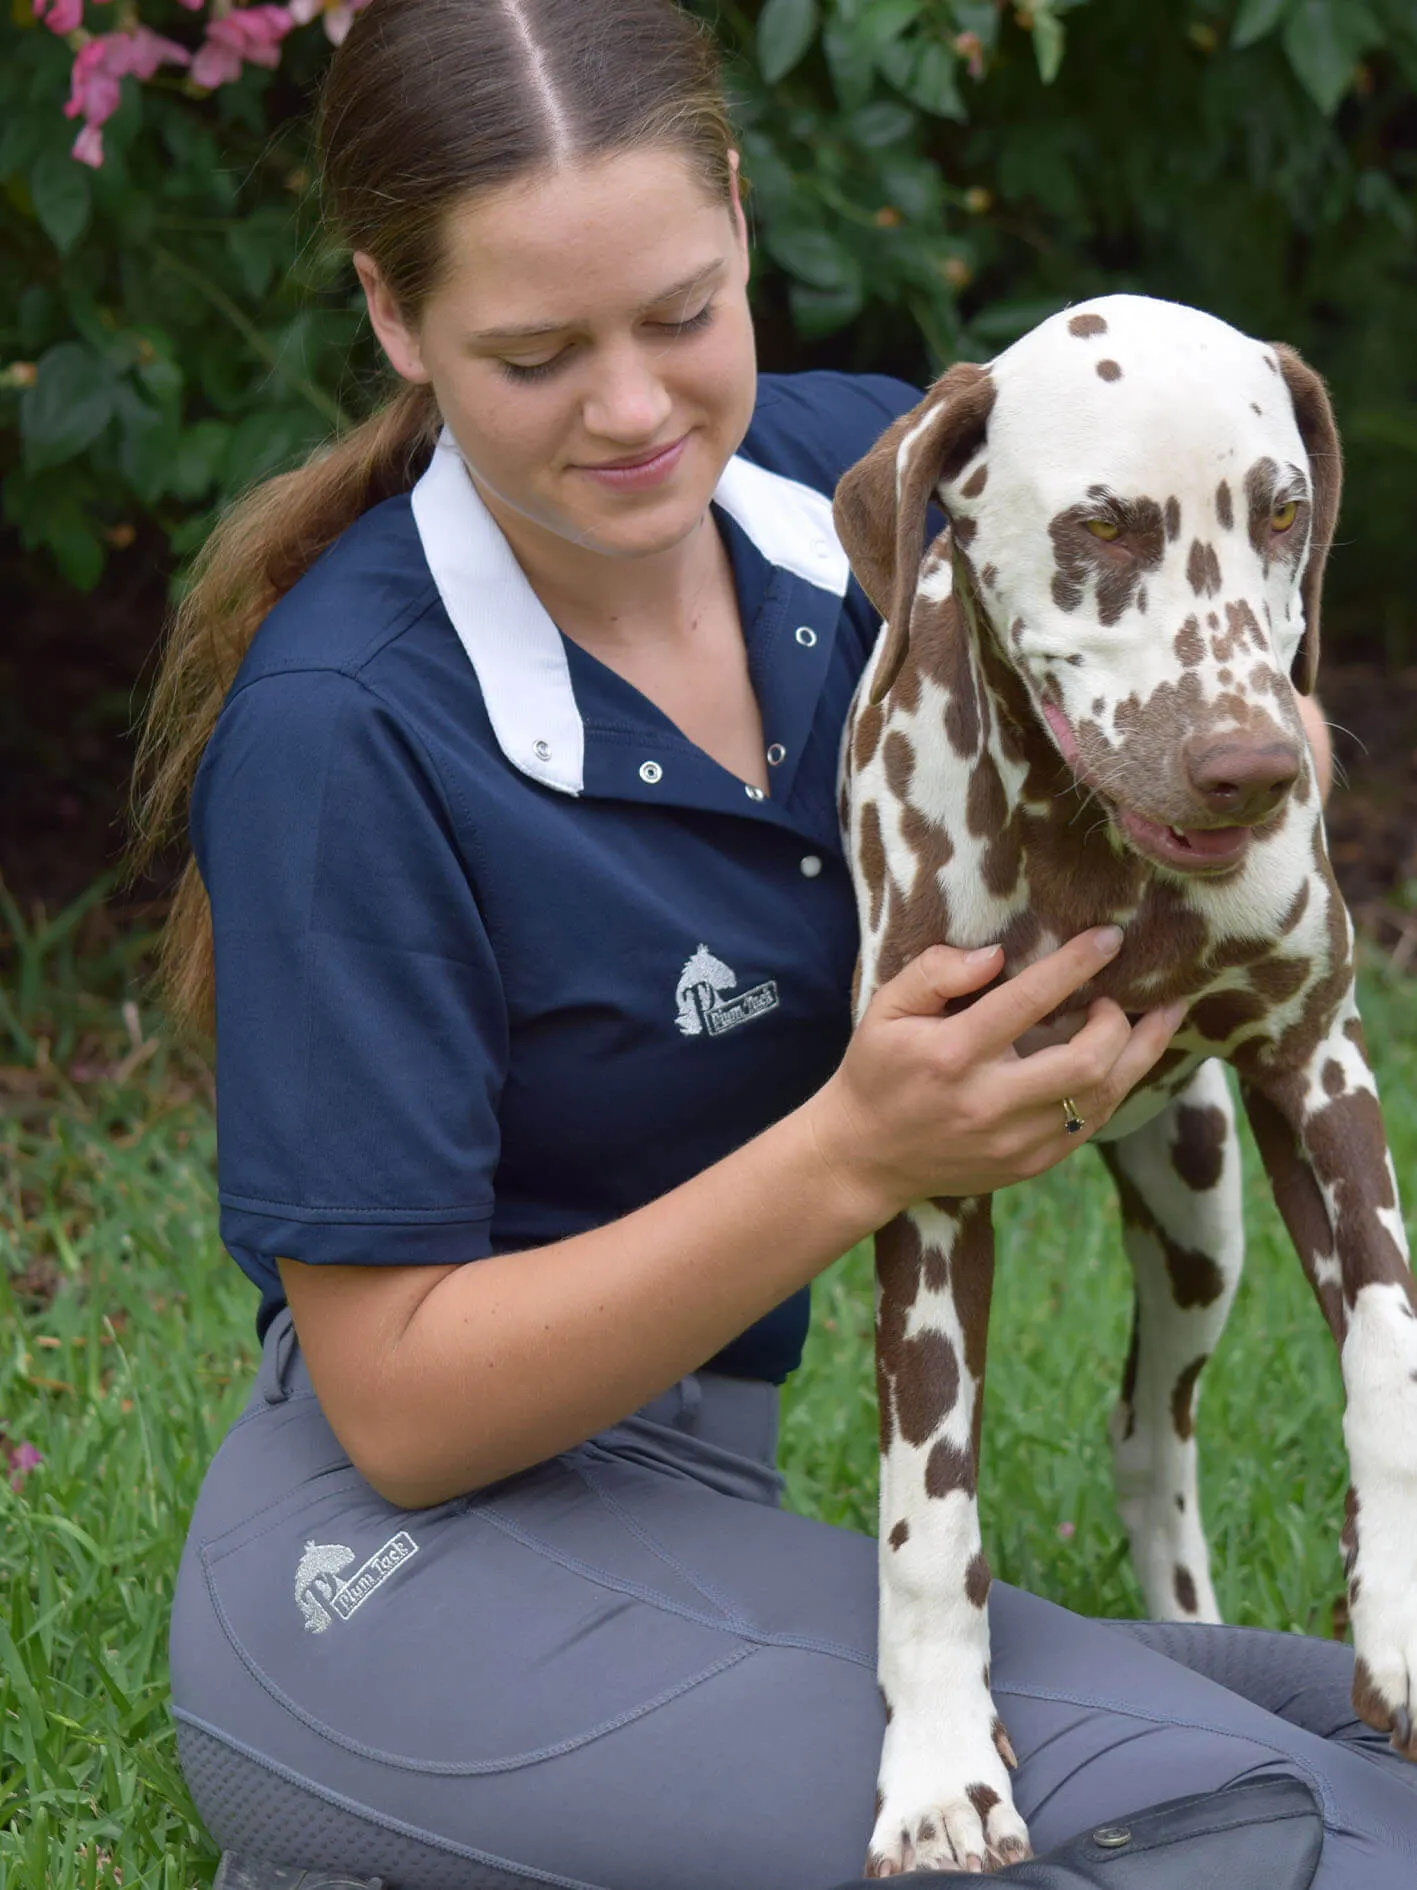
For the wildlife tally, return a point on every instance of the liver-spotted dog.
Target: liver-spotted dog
(1080, 712)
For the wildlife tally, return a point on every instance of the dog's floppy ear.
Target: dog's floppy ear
(882, 500)
(1320, 437)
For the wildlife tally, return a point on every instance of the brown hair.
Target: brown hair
(424, 104)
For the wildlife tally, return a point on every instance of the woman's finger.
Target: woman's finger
(1000, 1017)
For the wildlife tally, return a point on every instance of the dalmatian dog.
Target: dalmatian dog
(1080, 712)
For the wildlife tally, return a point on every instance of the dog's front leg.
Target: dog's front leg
(944, 1796)
(1321, 1135)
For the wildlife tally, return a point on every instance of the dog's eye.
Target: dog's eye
(1283, 516)
(1104, 528)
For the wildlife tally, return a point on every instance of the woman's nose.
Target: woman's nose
(628, 401)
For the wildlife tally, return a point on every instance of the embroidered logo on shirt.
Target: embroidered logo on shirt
(318, 1587)
(702, 1007)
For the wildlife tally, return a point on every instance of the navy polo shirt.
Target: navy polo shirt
(500, 954)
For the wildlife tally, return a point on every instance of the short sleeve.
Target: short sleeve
(361, 1027)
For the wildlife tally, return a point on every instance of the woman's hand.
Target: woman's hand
(924, 1104)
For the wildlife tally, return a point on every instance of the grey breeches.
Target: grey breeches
(629, 1669)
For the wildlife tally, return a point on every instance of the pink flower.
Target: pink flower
(1067, 1530)
(22, 1459)
(88, 147)
(60, 16)
(250, 34)
(104, 61)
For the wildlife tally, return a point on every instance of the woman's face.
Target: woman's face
(590, 348)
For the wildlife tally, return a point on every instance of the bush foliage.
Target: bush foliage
(929, 177)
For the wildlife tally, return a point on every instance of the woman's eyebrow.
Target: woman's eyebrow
(536, 331)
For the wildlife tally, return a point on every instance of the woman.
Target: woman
(532, 949)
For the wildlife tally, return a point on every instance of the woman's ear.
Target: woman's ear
(398, 341)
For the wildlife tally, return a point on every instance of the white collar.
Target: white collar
(510, 640)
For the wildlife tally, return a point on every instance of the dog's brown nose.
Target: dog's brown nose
(1240, 781)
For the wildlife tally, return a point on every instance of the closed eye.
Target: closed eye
(541, 370)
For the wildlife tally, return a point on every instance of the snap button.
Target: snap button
(542, 750)
(651, 771)
(1112, 1837)
(809, 866)
(753, 793)
(776, 754)
(806, 635)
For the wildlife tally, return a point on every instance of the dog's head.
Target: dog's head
(1141, 500)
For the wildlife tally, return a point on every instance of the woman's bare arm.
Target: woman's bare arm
(438, 1380)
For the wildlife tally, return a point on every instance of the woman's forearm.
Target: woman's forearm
(511, 1358)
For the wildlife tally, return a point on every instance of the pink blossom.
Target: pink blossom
(60, 16)
(253, 34)
(99, 66)
(1067, 1530)
(88, 147)
(22, 1459)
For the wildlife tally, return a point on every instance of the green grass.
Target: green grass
(127, 1341)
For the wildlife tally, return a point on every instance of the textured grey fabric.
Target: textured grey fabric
(628, 1669)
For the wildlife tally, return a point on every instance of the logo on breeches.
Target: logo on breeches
(701, 1005)
(319, 1588)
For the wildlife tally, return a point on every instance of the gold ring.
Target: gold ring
(1072, 1121)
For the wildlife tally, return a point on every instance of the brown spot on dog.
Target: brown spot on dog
(948, 1468)
(1003, 1745)
(1295, 911)
(1256, 408)
(1203, 569)
(1271, 363)
(898, 1270)
(1348, 1536)
(872, 858)
(1108, 371)
(925, 1383)
(1353, 1031)
(867, 734)
(1184, 1587)
(1347, 1146)
(972, 1266)
(1173, 520)
(1277, 979)
(976, 482)
(1180, 1503)
(1299, 1201)
(900, 1535)
(899, 759)
(1198, 1151)
(1224, 506)
(1370, 1706)
(1225, 678)
(1016, 630)
(1224, 1014)
(1116, 568)
(977, 1579)
(989, 575)
(1085, 326)
(1189, 644)
(1333, 1079)
(936, 1269)
(1099, 705)
(983, 1798)
(964, 530)
(1183, 1396)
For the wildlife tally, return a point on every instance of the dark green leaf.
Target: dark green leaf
(67, 408)
(201, 454)
(885, 122)
(924, 71)
(1324, 40)
(147, 441)
(59, 186)
(850, 62)
(815, 257)
(885, 20)
(786, 28)
(822, 311)
(1254, 20)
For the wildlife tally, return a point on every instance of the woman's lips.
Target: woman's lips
(630, 475)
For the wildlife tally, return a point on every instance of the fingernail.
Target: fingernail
(985, 951)
(1108, 940)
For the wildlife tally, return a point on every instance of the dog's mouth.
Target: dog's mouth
(1183, 849)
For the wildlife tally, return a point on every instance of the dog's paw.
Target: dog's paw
(1385, 1697)
(974, 1827)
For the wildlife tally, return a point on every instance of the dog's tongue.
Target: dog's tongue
(1200, 843)
(1062, 732)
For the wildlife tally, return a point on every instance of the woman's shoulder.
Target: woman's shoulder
(366, 588)
(812, 426)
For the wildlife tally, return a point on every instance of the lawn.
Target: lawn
(129, 1340)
